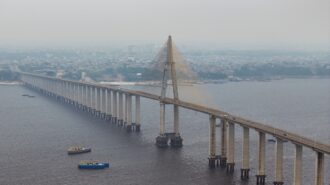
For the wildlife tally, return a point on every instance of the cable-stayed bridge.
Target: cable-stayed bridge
(116, 105)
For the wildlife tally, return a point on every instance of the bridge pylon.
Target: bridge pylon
(169, 74)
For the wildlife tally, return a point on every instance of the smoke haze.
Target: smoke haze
(225, 24)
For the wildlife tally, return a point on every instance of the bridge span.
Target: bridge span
(114, 104)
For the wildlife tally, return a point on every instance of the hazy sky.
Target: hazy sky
(221, 23)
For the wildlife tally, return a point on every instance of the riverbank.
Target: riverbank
(219, 81)
(10, 83)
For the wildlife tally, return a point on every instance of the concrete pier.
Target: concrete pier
(103, 104)
(137, 114)
(319, 168)
(297, 172)
(94, 93)
(161, 140)
(245, 154)
(176, 140)
(85, 98)
(120, 109)
(89, 96)
(223, 141)
(94, 97)
(114, 108)
(92, 100)
(212, 140)
(261, 176)
(98, 102)
(231, 148)
(80, 96)
(125, 108)
(279, 162)
(129, 113)
(74, 94)
(109, 102)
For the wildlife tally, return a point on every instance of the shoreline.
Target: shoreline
(222, 81)
(10, 83)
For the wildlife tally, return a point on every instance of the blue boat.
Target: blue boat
(92, 165)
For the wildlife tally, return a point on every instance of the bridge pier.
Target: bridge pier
(90, 98)
(176, 140)
(245, 154)
(101, 102)
(104, 107)
(261, 159)
(279, 162)
(223, 149)
(129, 112)
(261, 179)
(108, 104)
(87, 98)
(125, 109)
(120, 118)
(74, 95)
(93, 100)
(77, 97)
(83, 100)
(161, 140)
(231, 147)
(70, 93)
(114, 107)
(297, 173)
(137, 114)
(108, 110)
(80, 97)
(83, 97)
(98, 102)
(319, 168)
(94, 111)
(212, 140)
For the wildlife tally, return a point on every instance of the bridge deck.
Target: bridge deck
(285, 135)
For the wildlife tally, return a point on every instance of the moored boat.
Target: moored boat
(92, 165)
(271, 140)
(78, 150)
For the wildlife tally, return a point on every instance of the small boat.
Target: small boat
(27, 95)
(271, 140)
(78, 150)
(92, 165)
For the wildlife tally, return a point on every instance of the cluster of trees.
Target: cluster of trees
(280, 70)
(128, 73)
(245, 71)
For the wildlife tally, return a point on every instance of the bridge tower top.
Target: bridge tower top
(169, 67)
